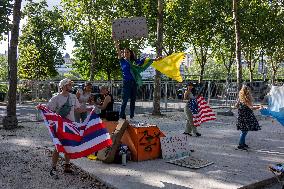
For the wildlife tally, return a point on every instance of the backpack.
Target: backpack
(65, 108)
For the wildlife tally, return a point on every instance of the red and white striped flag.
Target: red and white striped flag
(76, 139)
(205, 113)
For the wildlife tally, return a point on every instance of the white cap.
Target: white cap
(64, 82)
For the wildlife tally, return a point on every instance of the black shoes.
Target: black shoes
(243, 147)
(187, 134)
(198, 134)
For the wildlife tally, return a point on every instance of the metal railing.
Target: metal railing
(216, 93)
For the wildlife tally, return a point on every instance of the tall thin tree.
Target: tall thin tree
(238, 43)
(159, 48)
(10, 121)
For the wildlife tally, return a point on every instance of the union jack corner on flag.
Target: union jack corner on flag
(205, 113)
(76, 139)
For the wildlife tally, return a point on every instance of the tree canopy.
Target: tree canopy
(203, 28)
(41, 42)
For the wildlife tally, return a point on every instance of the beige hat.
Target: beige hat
(104, 87)
(64, 82)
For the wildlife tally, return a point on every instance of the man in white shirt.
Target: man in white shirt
(54, 104)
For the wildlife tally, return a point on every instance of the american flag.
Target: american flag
(76, 139)
(204, 114)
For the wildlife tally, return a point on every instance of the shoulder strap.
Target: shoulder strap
(67, 101)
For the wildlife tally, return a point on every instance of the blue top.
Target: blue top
(125, 68)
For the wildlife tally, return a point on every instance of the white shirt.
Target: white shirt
(56, 102)
(84, 98)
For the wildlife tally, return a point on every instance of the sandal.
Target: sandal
(53, 173)
(67, 168)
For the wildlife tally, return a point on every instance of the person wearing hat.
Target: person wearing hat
(55, 104)
(84, 97)
(190, 109)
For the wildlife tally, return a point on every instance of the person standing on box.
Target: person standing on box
(131, 69)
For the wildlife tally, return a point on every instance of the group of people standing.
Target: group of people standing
(75, 108)
(85, 97)
(131, 69)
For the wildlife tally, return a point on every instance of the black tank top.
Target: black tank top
(109, 106)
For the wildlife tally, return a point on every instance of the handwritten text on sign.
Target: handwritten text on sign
(174, 147)
(128, 28)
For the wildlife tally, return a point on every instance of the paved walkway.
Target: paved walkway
(231, 169)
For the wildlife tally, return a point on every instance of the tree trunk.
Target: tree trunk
(238, 43)
(10, 121)
(273, 76)
(157, 85)
(93, 63)
(228, 69)
(93, 48)
(250, 75)
(228, 78)
(201, 73)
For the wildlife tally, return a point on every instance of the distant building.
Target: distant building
(5, 54)
(66, 67)
(67, 59)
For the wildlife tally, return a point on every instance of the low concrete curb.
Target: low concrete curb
(263, 183)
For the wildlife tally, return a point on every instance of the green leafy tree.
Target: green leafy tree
(41, 41)
(3, 68)
(89, 24)
(5, 12)
(200, 29)
(175, 16)
(253, 16)
(223, 43)
(273, 37)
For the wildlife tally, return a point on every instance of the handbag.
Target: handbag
(112, 115)
(65, 109)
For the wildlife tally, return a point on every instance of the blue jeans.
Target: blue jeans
(243, 137)
(129, 91)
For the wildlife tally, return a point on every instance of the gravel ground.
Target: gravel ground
(26, 158)
(25, 162)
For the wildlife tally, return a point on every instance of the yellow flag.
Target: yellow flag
(170, 65)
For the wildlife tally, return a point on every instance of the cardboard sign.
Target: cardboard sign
(174, 147)
(129, 28)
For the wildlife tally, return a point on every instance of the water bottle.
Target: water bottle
(123, 159)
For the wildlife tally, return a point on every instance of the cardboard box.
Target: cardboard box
(143, 142)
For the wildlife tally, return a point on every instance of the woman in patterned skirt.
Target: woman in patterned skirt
(246, 119)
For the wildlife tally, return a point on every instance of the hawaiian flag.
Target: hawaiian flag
(204, 114)
(76, 139)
